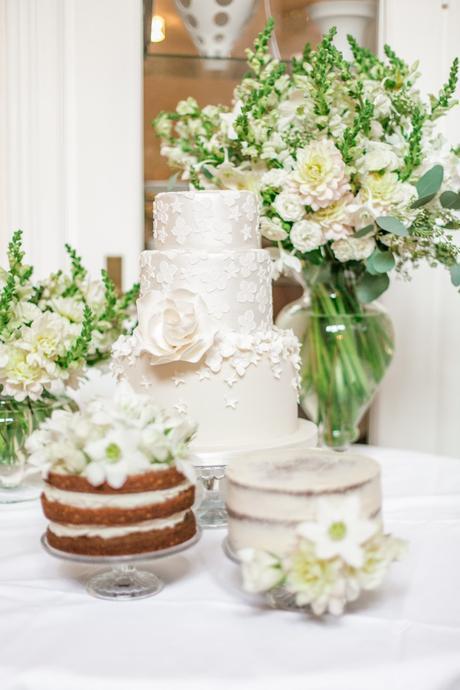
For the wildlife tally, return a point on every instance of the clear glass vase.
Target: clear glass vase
(17, 421)
(346, 350)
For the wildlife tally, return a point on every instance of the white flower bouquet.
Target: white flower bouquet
(336, 557)
(50, 331)
(110, 439)
(354, 181)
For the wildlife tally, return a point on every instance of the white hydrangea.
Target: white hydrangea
(353, 248)
(306, 235)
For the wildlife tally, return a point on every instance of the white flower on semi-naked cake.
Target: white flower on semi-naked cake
(174, 326)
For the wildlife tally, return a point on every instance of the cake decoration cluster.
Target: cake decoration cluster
(109, 440)
(338, 555)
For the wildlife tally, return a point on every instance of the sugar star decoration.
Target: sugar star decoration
(203, 375)
(231, 380)
(177, 380)
(145, 383)
(231, 402)
(181, 407)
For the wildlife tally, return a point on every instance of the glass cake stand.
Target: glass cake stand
(122, 581)
(211, 511)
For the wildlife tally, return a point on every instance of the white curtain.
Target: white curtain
(419, 403)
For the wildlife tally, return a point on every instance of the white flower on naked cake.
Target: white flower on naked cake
(109, 439)
(337, 556)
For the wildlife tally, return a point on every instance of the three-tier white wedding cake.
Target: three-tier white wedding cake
(205, 344)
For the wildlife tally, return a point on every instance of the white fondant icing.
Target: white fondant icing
(209, 220)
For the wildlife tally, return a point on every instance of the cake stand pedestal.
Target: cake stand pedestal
(122, 581)
(211, 511)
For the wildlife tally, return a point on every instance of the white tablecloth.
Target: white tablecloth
(202, 633)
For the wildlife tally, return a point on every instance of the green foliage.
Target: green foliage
(370, 287)
(380, 262)
(17, 277)
(429, 185)
(455, 275)
(392, 225)
(78, 351)
(445, 99)
(413, 158)
(366, 230)
(450, 200)
(361, 125)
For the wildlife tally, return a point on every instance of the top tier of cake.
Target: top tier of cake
(206, 220)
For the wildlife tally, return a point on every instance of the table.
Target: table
(202, 633)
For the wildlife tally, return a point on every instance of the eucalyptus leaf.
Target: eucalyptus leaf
(418, 203)
(382, 261)
(392, 225)
(430, 183)
(369, 287)
(207, 173)
(455, 275)
(362, 232)
(450, 200)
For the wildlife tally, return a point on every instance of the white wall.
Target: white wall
(71, 129)
(419, 403)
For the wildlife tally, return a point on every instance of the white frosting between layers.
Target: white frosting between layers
(79, 499)
(63, 530)
(235, 286)
(206, 220)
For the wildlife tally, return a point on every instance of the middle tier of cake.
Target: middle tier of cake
(235, 286)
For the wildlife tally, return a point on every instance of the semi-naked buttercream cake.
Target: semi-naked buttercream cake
(268, 495)
(150, 511)
(205, 344)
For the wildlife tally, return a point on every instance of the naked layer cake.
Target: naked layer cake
(268, 495)
(113, 483)
(150, 511)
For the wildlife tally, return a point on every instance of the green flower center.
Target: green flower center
(113, 452)
(337, 531)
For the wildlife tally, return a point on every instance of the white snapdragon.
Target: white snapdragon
(353, 248)
(306, 235)
(277, 178)
(289, 206)
(378, 156)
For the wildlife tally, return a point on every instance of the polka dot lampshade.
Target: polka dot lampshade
(215, 25)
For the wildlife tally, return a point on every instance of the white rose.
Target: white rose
(306, 235)
(378, 156)
(289, 206)
(175, 326)
(353, 249)
(271, 229)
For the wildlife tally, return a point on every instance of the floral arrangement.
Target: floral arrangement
(336, 557)
(354, 181)
(51, 330)
(109, 439)
(352, 176)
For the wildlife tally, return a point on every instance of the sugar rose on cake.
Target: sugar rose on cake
(115, 480)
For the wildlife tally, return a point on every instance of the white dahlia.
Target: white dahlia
(384, 194)
(319, 175)
(336, 220)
